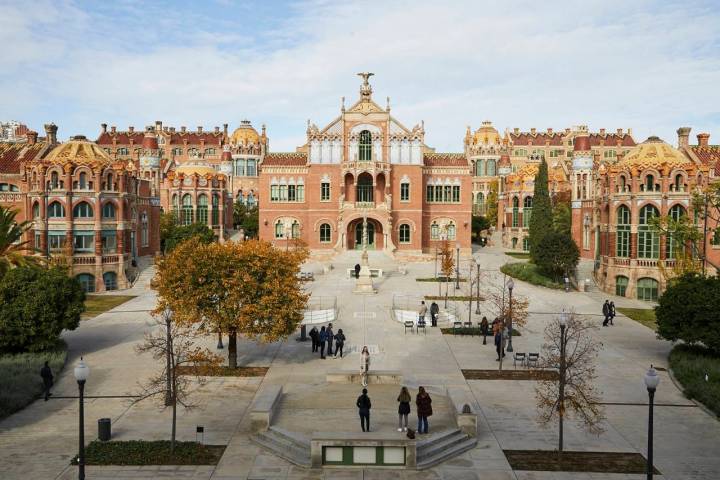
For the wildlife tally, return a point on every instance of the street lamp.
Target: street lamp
(457, 266)
(510, 285)
(81, 375)
(651, 382)
(477, 302)
(561, 403)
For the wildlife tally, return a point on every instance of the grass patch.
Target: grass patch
(223, 371)
(97, 304)
(471, 331)
(528, 272)
(600, 462)
(439, 279)
(690, 364)
(522, 255)
(523, 374)
(20, 382)
(142, 452)
(461, 298)
(645, 316)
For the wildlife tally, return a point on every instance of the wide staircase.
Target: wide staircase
(585, 271)
(443, 446)
(291, 446)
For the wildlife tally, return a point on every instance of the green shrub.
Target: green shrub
(179, 234)
(143, 452)
(529, 272)
(20, 382)
(556, 255)
(690, 364)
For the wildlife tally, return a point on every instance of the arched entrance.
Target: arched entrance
(355, 234)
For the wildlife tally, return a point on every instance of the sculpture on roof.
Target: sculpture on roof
(365, 88)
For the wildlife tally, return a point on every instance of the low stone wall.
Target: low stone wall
(377, 377)
(263, 407)
(372, 440)
(463, 409)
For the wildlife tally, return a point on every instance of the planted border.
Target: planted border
(143, 452)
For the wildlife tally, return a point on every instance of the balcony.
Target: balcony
(361, 205)
(647, 262)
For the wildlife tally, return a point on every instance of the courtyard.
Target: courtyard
(40, 441)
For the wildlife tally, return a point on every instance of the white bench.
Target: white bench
(374, 272)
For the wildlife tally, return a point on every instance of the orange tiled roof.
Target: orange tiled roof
(538, 139)
(709, 155)
(611, 140)
(445, 160)
(285, 159)
(13, 154)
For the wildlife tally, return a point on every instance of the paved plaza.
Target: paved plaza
(39, 441)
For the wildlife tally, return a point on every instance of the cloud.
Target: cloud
(648, 65)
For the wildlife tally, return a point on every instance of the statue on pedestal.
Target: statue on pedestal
(363, 283)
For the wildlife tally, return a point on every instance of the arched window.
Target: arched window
(54, 180)
(515, 209)
(621, 283)
(649, 183)
(250, 202)
(187, 209)
(209, 151)
(279, 229)
(648, 242)
(325, 233)
(110, 280)
(451, 231)
(404, 233)
(679, 185)
(36, 210)
(622, 243)
(109, 182)
(108, 210)
(490, 168)
(202, 209)
(193, 152)
(295, 229)
(82, 183)
(480, 203)
(622, 184)
(123, 151)
(215, 209)
(87, 282)
(56, 210)
(526, 244)
(144, 230)
(364, 188)
(83, 210)
(672, 246)
(527, 211)
(514, 243)
(365, 147)
(434, 231)
(647, 289)
(176, 207)
(240, 198)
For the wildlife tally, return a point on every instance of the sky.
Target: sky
(652, 66)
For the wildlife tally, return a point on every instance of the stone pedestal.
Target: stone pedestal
(364, 284)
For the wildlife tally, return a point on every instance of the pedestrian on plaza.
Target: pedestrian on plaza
(434, 312)
(422, 313)
(357, 270)
(499, 341)
(484, 329)
(364, 365)
(505, 337)
(612, 312)
(339, 343)
(606, 312)
(47, 378)
(403, 409)
(363, 403)
(322, 338)
(424, 409)
(330, 337)
(314, 337)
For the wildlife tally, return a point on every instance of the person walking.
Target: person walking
(47, 378)
(339, 343)
(612, 312)
(322, 337)
(364, 365)
(434, 313)
(606, 312)
(424, 409)
(499, 341)
(363, 403)
(330, 338)
(484, 329)
(314, 338)
(422, 313)
(403, 409)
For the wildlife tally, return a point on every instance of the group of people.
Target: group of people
(434, 312)
(325, 337)
(423, 404)
(608, 311)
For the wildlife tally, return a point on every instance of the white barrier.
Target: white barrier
(403, 316)
(312, 317)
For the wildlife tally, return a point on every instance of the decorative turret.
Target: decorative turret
(150, 160)
(226, 165)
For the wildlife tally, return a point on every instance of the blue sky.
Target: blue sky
(652, 66)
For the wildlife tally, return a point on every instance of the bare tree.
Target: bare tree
(175, 345)
(447, 264)
(497, 296)
(572, 351)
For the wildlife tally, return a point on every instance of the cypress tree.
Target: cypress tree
(541, 220)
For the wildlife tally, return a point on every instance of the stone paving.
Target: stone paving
(39, 441)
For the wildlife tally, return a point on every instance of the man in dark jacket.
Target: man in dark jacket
(424, 409)
(357, 270)
(47, 378)
(612, 312)
(606, 312)
(339, 343)
(314, 337)
(364, 405)
(434, 312)
(330, 338)
(322, 337)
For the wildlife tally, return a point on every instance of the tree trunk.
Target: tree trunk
(174, 410)
(232, 348)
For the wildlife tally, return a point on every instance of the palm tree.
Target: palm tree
(12, 249)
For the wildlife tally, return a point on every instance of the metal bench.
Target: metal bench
(409, 324)
(532, 359)
(421, 325)
(469, 326)
(456, 325)
(519, 357)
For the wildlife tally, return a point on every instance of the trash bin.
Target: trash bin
(104, 431)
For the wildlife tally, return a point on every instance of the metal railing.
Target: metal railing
(318, 307)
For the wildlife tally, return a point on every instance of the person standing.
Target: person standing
(339, 343)
(47, 378)
(422, 313)
(363, 403)
(314, 337)
(498, 341)
(606, 313)
(484, 329)
(612, 312)
(505, 337)
(364, 365)
(424, 409)
(322, 337)
(434, 312)
(403, 409)
(330, 338)
(357, 270)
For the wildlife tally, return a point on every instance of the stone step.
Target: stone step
(285, 447)
(435, 438)
(441, 455)
(293, 437)
(441, 443)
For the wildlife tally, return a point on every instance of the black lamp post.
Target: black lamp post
(81, 375)
(651, 382)
(510, 286)
(457, 267)
(561, 403)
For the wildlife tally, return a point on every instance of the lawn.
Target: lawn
(142, 452)
(97, 304)
(20, 382)
(520, 255)
(645, 316)
(690, 364)
(528, 272)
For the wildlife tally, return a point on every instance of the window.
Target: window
(87, 282)
(325, 233)
(527, 211)
(520, 152)
(193, 152)
(110, 280)
(649, 184)
(715, 240)
(622, 244)
(621, 284)
(176, 207)
(365, 147)
(451, 231)
(295, 230)
(240, 167)
(108, 185)
(123, 151)
(56, 210)
(240, 197)
(38, 240)
(283, 193)
(279, 230)
(177, 151)
(202, 209)
(250, 199)
(109, 241)
(404, 192)
(647, 289)
(447, 193)
(8, 187)
(108, 210)
(36, 210)
(515, 208)
(456, 193)
(480, 168)
(325, 192)
(55, 181)
(187, 210)
(648, 244)
(209, 151)
(622, 184)
(609, 154)
(679, 184)
(671, 244)
(144, 231)
(434, 231)
(83, 241)
(364, 188)
(274, 193)
(430, 194)
(57, 241)
(215, 210)
(251, 167)
(404, 233)
(526, 244)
